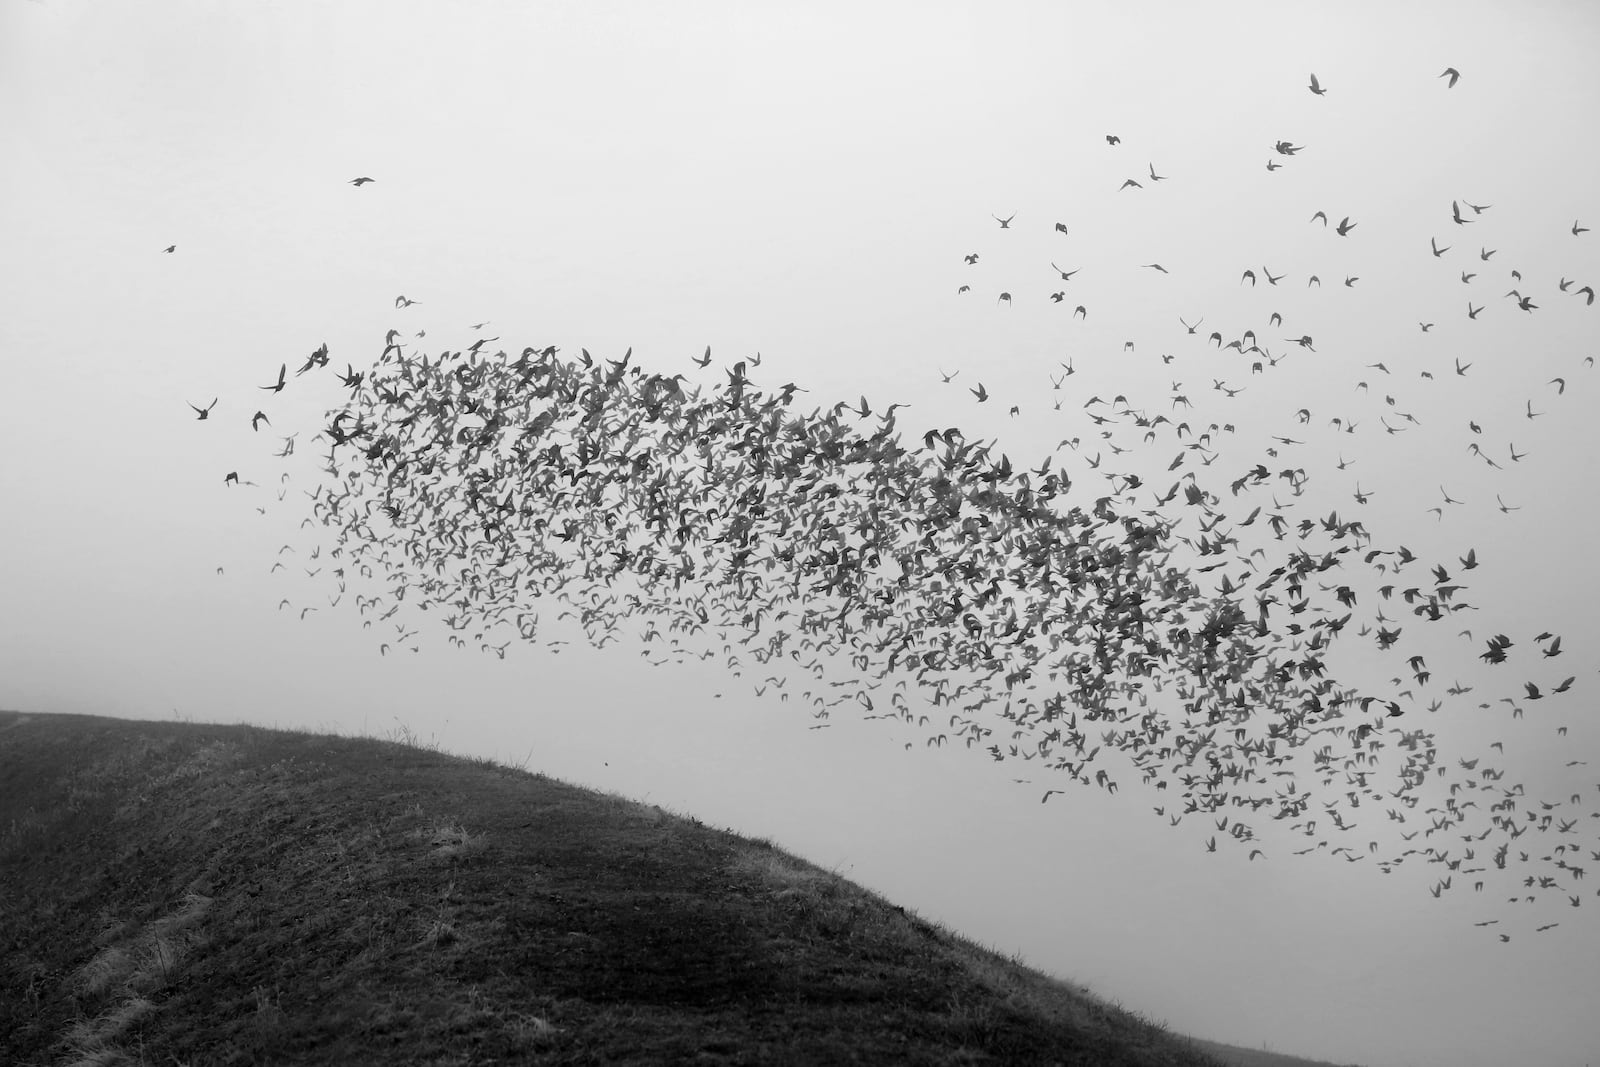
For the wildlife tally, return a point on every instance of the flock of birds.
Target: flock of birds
(1036, 613)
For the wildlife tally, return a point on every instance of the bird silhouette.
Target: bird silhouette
(359, 182)
(1453, 74)
(202, 413)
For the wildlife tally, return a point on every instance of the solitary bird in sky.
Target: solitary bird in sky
(1453, 74)
(205, 412)
(1113, 139)
(359, 182)
(1316, 86)
(403, 302)
(1005, 223)
(170, 248)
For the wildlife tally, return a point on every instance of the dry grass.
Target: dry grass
(185, 894)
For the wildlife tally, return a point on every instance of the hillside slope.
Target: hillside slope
(183, 893)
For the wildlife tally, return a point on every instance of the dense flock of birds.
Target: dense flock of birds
(1038, 613)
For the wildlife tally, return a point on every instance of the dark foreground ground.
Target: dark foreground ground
(177, 893)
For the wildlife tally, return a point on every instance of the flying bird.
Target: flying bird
(1316, 86)
(1453, 74)
(205, 412)
(170, 248)
(277, 387)
(1005, 223)
(359, 182)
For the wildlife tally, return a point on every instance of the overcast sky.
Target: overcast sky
(805, 181)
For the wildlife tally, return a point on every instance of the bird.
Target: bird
(404, 302)
(971, 258)
(1156, 177)
(1345, 226)
(170, 248)
(1315, 87)
(1066, 275)
(1191, 329)
(1576, 229)
(1131, 182)
(1437, 251)
(204, 412)
(258, 418)
(1156, 266)
(1453, 74)
(1005, 223)
(359, 182)
(1113, 139)
(277, 387)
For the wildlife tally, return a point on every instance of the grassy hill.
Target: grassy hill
(177, 893)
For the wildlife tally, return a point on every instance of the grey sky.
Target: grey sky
(804, 181)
